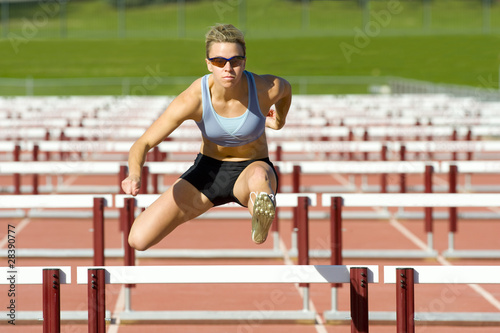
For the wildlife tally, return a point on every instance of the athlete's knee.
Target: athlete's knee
(259, 174)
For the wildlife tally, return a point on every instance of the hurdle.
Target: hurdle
(425, 200)
(60, 168)
(372, 167)
(473, 167)
(327, 147)
(10, 133)
(51, 280)
(96, 202)
(300, 201)
(407, 276)
(359, 278)
(354, 168)
(450, 147)
(468, 167)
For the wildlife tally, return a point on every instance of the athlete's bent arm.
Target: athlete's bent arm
(281, 96)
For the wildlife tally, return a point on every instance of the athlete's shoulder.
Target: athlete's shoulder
(188, 103)
(193, 92)
(271, 85)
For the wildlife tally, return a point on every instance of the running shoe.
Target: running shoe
(264, 210)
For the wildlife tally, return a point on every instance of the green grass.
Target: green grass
(404, 47)
(446, 59)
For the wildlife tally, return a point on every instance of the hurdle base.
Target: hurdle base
(374, 254)
(153, 253)
(36, 317)
(464, 215)
(216, 317)
(344, 317)
(211, 253)
(421, 318)
(458, 318)
(471, 254)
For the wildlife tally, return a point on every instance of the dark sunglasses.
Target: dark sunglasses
(221, 61)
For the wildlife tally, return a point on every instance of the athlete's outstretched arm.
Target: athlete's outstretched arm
(183, 107)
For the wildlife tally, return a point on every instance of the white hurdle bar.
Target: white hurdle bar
(415, 199)
(96, 202)
(407, 276)
(358, 276)
(61, 168)
(351, 168)
(424, 200)
(51, 279)
(129, 203)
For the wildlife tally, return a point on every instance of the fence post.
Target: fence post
(242, 15)
(5, 18)
(486, 16)
(426, 14)
(63, 20)
(366, 12)
(30, 83)
(305, 14)
(181, 18)
(122, 25)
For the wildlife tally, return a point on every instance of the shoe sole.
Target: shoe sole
(263, 216)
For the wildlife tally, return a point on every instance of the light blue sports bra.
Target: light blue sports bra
(232, 132)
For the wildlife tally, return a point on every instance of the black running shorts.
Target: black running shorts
(215, 178)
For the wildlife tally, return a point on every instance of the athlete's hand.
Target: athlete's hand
(271, 120)
(131, 185)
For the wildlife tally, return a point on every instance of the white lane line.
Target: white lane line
(407, 233)
(20, 226)
(119, 306)
(477, 288)
(320, 324)
(415, 240)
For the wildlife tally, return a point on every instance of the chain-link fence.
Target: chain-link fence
(259, 18)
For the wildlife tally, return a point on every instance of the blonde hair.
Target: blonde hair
(224, 33)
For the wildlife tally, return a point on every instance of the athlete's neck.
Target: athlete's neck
(238, 90)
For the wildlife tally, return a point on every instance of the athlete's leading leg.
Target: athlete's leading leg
(256, 188)
(180, 203)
